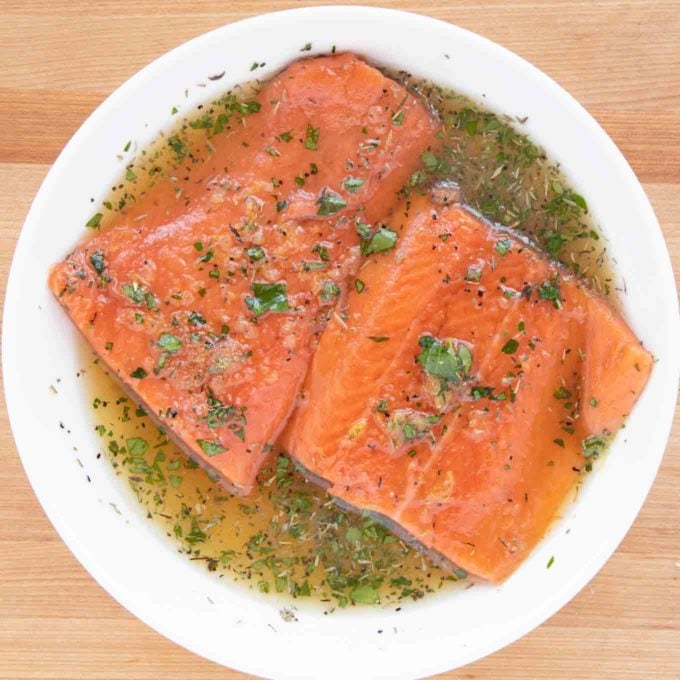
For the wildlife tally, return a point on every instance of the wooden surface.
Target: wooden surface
(59, 59)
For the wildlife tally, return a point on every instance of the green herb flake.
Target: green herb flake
(378, 338)
(593, 447)
(169, 343)
(364, 594)
(313, 266)
(359, 285)
(134, 291)
(383, 239)
(398, 117)
(353, 535)
(322, 251)
(473, 274)
(210, 448)
(432, 163)
(311, 137)
(93, 222)
(136, 446)
(329, 291)
(255, 253)
(246, 108)
(268, 297)
(196, 319)
(503, 247)
(203, 123)
(139, 373)
(550, 290)
(478, 392)
(510, 347)
(352, 184)
(444, 359)
(363, 230)
(329, 203)
(179, 148)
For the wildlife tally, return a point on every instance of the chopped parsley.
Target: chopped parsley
(311, 137)
(352, 184)
(169, 343)
(329, 203)
(383, 239)
(444, 359)
(196, 319)
(329, 291)
(268, 297)
(550, 290)
(593, 447)
(136, 446)
(210, 448)
(322, 251)
(255, 253)
(502, 247)
(94, 221)
(364, 594)
(398, 118)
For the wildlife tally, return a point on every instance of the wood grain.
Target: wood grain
(59, 59)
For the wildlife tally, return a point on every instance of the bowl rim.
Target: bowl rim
(418, 22)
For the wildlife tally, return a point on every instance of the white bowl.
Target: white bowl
(139, 566)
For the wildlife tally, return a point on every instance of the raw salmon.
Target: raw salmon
(463, 389)
(206, 296)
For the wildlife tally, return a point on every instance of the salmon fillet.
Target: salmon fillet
(205, 298)
(463, 388)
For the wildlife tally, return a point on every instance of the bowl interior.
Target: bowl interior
(130, 557)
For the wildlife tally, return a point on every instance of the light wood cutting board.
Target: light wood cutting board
(59, 59)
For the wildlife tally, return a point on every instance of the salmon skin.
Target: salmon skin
(205, 298)
(463, 388)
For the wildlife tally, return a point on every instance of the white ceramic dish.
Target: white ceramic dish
(141, 568)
